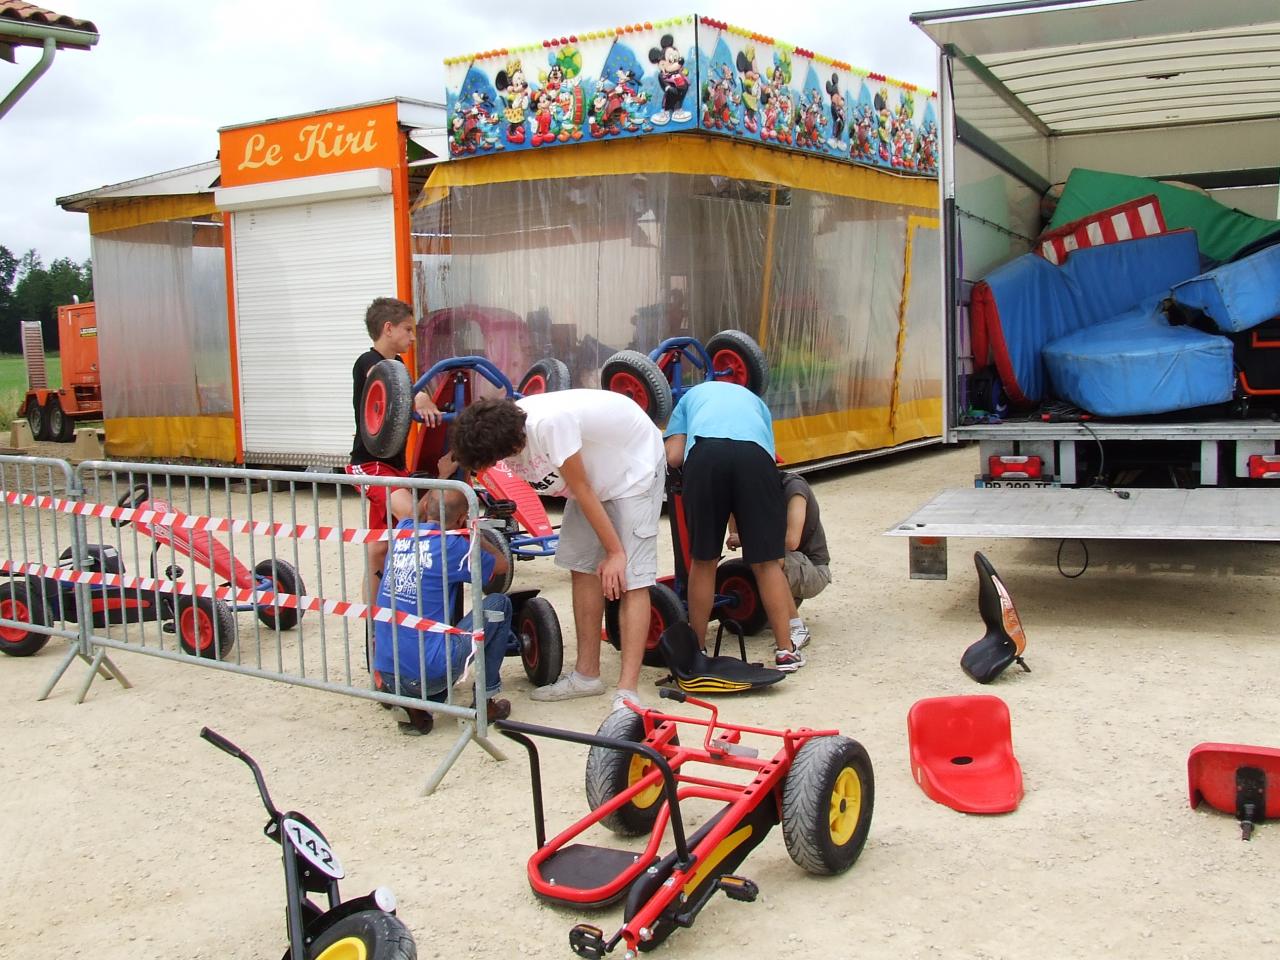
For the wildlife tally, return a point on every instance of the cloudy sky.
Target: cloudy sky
(166, 75)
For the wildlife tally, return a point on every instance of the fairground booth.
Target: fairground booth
(602, 191)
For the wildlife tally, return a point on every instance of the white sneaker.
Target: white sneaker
(800, 637)
(569, 687)
(621, 697)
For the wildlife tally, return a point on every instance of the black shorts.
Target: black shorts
(738, 477)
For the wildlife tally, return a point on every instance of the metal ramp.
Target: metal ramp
(1206, 513)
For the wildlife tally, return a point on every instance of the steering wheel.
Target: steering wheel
(134, 497)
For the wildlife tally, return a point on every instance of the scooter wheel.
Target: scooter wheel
(16, 604)
(368, 935)
(386, 408)
(548, 375)
(206, 628)
(609, 772)
(827, 800)
(541, 641)
(286, 579)
(740, 359)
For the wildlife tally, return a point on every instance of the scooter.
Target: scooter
(365, 927)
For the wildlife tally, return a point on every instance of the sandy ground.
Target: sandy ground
(123, 835)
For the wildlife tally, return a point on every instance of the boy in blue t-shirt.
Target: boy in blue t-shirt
(421, 663)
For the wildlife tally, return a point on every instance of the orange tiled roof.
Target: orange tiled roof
(21, 12)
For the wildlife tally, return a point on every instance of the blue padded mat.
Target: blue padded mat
(1236, 296)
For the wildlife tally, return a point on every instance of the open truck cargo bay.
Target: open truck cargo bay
(1173, 90)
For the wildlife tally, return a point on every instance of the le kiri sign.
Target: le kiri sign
(312, 145)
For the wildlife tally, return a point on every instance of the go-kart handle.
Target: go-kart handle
(672, 693)
(226, 746)
(481, 365)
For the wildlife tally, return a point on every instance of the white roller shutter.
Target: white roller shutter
(304, 276)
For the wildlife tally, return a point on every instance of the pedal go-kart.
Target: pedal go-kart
(205, 626)
(818, 785)
(515, 519)
(365, 928)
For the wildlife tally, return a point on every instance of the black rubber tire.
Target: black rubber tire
(192, 614)
(541, 641)
(735, 578)
(287, 580)
(740, 353)
(548, 375)
(386, 408)
(609, 772)
(807, 798)
(15, 604)
(665, 609)
(384, 936)
(37, 420)
(500, 583)
(61, 427)
(634, 375)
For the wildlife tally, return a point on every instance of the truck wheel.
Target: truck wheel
(827, 801)
(287, 580)
(61, 427)
(665, 609)
(386, 408)
(369, 935)
(634, 375)
(15, 604)
(500, 582)
(546, 376)
(206, 627)
(609, 772)
(37, 420)
(736, 581)
(541, 641)
(741, 358)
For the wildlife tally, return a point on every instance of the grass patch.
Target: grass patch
(13, 383)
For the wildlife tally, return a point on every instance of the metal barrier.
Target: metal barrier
(164, 560)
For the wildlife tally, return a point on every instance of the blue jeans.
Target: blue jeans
(498, 637)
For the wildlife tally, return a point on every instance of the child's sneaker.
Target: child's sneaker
(569, 687)
(621, 697)
(788, 661)
(800, 637)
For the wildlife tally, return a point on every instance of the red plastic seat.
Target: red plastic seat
(962, 753)
(1236, 779)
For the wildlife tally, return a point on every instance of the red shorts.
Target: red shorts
(375, 495)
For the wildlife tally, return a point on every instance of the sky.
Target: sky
(166, 75)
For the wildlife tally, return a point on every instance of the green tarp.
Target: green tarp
(1220, 230)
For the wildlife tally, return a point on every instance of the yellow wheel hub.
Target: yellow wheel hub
(846, 805)
(348, 948)
(635, 773)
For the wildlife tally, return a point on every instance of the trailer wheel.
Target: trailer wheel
(500, 582)
(541, 641)
(286, 579)
(386, 408)
(368, 935)
(827, 801)
(736, 581)
(61, 427)
(740, 356)
(37, 420)
(609, 772)
(15, 604)
(546, 376)
(206, 627)
(634, 375)
(665, 609)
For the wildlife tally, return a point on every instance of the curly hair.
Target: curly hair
(486, 432)
(382, 311)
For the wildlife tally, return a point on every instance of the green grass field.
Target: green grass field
(13, 383)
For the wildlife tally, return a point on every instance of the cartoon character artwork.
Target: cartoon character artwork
(884, 127)
(473, 125)
(785, 120)
(927, 148)
(811, 120)
(904, 133)
(567, 100)
(615, 106)
(752, 88)
(543, 118)
(514, 88)
(836, 141)
(776, 97)
(719, 98)
(673, 79)
(862, 133)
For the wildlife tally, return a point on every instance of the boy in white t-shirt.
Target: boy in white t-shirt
(599, 451)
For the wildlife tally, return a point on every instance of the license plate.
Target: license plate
(982, 482)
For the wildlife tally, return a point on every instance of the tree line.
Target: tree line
(31, 291)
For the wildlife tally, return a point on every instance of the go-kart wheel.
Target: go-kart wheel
(634, 375)
(16, 604)
(132, 499)
(206, 627)
(665, 609)
(61, 427)
(827, 801)
(546, 376)
(37, 420)
(500, 582)
(386, 408)
(541, 642)
(367, 935)
(286, 578)
(738, 354)
(736, 581)
(609, 772)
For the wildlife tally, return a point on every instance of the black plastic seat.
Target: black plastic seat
(695, 672)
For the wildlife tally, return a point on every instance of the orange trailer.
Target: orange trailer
(50, 413)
